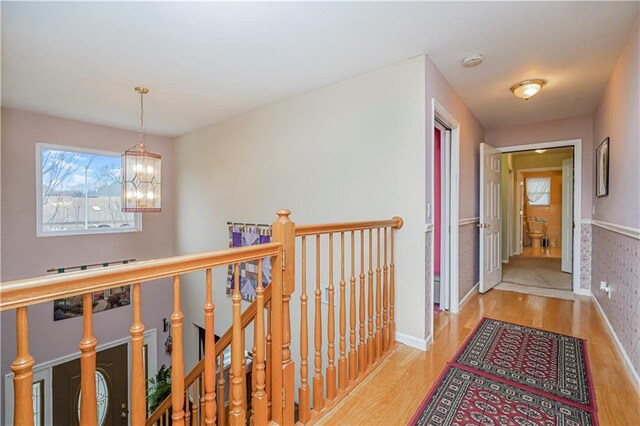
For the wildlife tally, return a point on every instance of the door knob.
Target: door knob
(483, 225)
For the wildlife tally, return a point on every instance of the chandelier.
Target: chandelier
(141, 173)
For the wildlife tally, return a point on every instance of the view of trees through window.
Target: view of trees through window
(81, 191)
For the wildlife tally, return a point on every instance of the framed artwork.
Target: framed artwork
(242, 235)
(602, 169)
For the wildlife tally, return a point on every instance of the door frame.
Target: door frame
(577, 194)
(44, 371)
(453, 214)
(520, 199)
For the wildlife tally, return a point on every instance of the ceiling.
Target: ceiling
(205, 62)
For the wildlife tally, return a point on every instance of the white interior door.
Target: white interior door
(490, 218)
(567, 215)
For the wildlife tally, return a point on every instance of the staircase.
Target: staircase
(366, 287)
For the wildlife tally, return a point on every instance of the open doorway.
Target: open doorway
(441, 207)
(530, 201)
(537, 240)
(443, 214)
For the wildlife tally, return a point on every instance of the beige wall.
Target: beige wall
(550, 131)
(615, 256)
(25, 255)
(350, 151)
(618, 117)
(471, 135)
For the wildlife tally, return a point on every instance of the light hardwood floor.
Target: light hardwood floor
(392, 393)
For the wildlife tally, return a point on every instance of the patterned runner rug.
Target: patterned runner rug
(511, 374)
(462, 397)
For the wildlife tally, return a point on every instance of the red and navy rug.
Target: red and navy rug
(510, 374)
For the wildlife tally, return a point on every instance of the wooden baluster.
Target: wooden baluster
(342, 361)
(370, 341)
(268, 361)
(243, 371)
(209, 355)
(385, 298)
(259, 402)
(177, 359)
(304, 409)
(392, 294)
(331, 369)
(318, 380)
(195, 404)
(222, 414)
(362, 348)
(187, 411)
(353, 362)
(378, 300)
(23, 374)
(252, 418)
(236, 412)
(88, 404)
(138, 385)
(202, 397)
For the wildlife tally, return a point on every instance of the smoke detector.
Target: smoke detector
(472, 60)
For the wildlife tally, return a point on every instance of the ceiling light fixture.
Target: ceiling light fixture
(540, 151)
(472, 60)
(528, 88)
(141, 173)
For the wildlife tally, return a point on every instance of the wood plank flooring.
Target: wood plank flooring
(391, 394)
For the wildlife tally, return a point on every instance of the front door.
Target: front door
(111, 389)
(490, 217)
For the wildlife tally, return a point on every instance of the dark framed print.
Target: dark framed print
(602, 169)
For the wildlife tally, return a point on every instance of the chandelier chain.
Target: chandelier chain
(142, 118)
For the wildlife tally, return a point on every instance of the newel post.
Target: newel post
(283, 281)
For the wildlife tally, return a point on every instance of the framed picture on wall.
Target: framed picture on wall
(602, 169)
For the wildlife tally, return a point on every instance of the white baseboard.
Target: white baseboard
(414, 342)
(584, 292)
(627, 360)
(469, 294)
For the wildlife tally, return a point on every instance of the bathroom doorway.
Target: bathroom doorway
(538, 204)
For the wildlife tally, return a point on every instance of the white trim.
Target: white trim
(414, 342)
(619, 229)
(45, 371)
(137, 225)
(584, 292)
(468, 221)
(577, 191)
(454, 280)
(470, 293)
(625, 356)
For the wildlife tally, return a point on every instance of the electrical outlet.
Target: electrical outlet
(606, 288)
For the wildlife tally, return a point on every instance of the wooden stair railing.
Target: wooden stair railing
(249, 316)
(273, 379)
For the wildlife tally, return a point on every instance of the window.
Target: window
(78, 192)
(539, 191)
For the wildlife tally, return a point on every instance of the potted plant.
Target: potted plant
(160, 388)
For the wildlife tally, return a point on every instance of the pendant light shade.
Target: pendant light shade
(141, 173)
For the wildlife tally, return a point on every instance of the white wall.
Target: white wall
(350, 151)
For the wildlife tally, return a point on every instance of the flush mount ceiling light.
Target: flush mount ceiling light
(528, 88)
(540, 151)
(472, 60)
(141, 172)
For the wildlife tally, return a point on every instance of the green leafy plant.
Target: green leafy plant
(160, 387)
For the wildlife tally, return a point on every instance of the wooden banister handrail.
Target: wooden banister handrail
(328, 228)
(20, 293)
(247, 318)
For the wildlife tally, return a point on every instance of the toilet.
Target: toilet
(536, 233)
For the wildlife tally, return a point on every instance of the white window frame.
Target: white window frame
(40, 232)
(548, 194)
